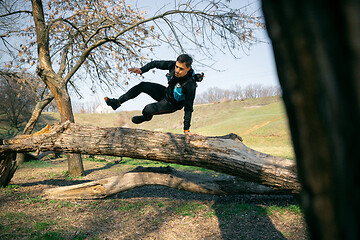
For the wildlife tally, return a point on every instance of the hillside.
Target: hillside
(262, 123)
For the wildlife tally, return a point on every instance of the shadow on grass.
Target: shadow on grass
(107, 166)
(239, 216)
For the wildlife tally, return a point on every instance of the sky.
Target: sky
(255, 67)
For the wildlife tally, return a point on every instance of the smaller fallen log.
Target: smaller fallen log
(164, 176)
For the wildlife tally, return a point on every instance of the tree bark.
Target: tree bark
(316, 47)
(62, 98)
(222, 154)
(164, 176)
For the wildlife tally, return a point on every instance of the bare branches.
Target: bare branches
(117, 36)
(18, 94)
(9, 8)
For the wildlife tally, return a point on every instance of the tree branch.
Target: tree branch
(63, 62)
(95, 33)
(16, 12)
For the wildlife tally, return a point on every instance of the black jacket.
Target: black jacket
(188, 85)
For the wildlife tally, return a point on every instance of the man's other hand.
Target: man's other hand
(135, 70)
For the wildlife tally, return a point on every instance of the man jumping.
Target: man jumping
(179, 93)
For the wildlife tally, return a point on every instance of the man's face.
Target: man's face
(181, 69)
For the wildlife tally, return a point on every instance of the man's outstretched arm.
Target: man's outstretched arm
(135, 70)
(163, 65)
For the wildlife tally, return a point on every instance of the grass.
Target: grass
(24, 214)
(37, 164)
(295, 209)
(126, 207)
(191, 209)
(31, 229)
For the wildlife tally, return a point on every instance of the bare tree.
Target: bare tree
(104, 37)
(18, 94)
(21, 97)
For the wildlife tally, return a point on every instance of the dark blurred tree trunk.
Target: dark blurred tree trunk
(317, 52)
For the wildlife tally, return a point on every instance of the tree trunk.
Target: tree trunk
(222, 154)
(62, 98)
(316, 47)
(57, 86)
(164, 176)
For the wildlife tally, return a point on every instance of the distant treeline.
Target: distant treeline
(216, 94)
(212, 95)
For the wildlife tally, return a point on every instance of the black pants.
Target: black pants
(157, 92)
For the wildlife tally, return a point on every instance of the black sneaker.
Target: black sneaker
(138, 119)
(112, 102)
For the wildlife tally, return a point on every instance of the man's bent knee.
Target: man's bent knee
(148, 112)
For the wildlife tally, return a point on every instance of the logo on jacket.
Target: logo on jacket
(178, 94)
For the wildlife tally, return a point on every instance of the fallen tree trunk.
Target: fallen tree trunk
(222, 154)
(164, 176)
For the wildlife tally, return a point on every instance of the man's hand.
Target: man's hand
(187, 133)
(135, 70)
